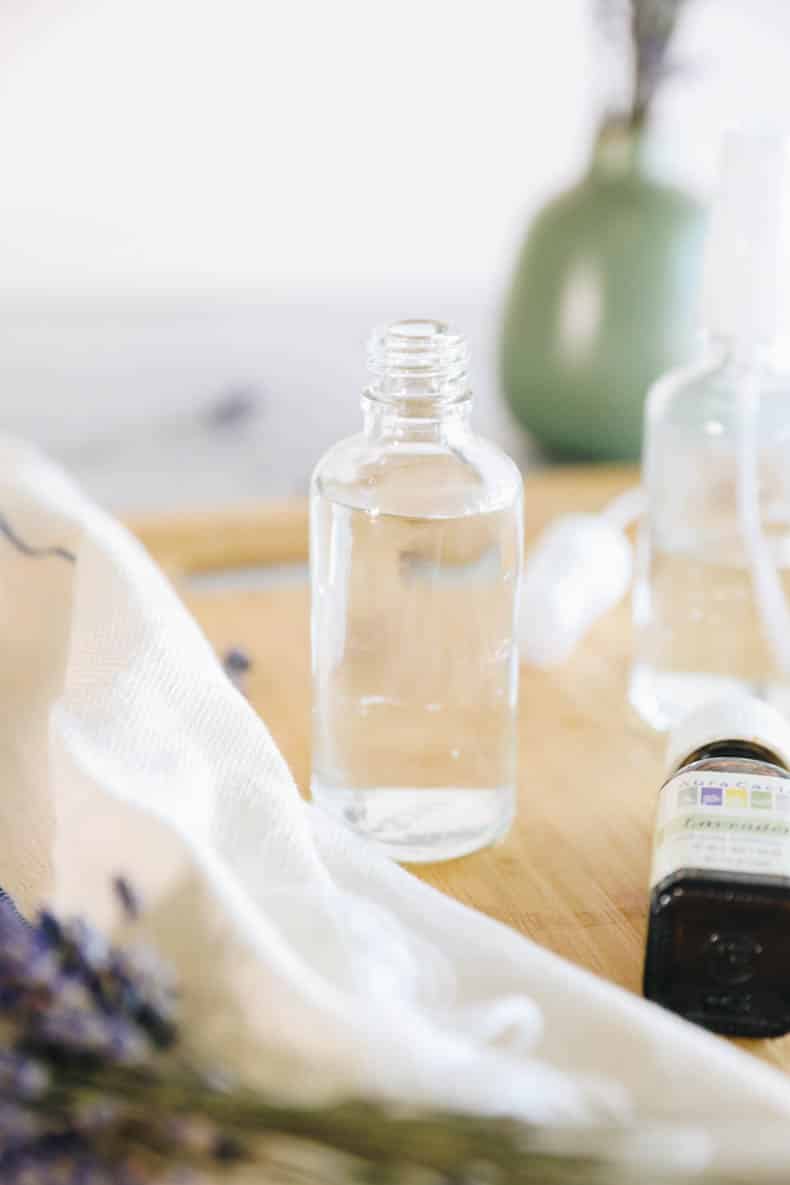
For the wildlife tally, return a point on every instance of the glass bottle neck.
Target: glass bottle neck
(415, 418)
(420, 390)
(734, 750)
(729, 350)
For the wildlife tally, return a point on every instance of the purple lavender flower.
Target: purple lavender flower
(127, 896)
(70, 995)
(237, 664)
(644, 29)
(75, 1012)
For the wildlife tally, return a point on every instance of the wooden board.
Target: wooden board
(572, 873)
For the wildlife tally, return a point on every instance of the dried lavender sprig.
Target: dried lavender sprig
(652, 26)
(643, 30)
(449, 1147)
(72, 1004)
(237, 664)
(93, 1090)
(67, 994)
(127, 897)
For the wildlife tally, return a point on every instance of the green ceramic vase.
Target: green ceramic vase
(604, 299)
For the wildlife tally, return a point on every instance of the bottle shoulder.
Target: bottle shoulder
(688, 387)
(733, 765)
(463, 474)
(708, 390)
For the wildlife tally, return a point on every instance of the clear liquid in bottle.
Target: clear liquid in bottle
(700, 630)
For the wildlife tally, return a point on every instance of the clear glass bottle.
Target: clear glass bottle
(710, 599)
(701, 631)
(416, 555)
(718, 939)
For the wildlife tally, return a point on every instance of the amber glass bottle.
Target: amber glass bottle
(718, 945)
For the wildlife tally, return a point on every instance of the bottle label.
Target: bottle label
(722, 823)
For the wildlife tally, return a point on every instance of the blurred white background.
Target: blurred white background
(206, 200)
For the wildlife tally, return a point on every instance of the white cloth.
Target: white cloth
(308, 958)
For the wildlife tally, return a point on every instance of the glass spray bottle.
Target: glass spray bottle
(416, 553)
(710, 601)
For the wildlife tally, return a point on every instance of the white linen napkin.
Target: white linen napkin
(308, 959)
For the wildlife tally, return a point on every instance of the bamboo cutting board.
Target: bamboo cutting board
(572, 873)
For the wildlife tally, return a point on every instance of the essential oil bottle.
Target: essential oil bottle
(416, 553)
(718, 944)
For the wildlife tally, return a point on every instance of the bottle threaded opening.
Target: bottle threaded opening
(418, 351)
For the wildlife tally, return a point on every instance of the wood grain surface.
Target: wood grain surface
(572, 873)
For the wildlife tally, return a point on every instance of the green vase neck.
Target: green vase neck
(620, 150)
